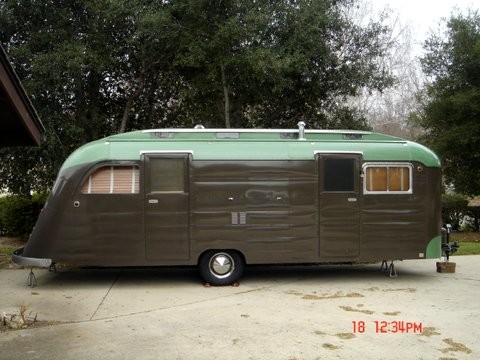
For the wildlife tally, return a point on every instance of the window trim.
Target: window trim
(387, 165)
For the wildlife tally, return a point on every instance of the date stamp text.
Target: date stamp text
(387, 327)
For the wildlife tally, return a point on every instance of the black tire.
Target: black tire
(221, 267)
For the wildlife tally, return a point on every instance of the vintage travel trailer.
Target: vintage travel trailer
(225, 198)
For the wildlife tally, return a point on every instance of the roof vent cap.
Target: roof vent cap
(301, 130)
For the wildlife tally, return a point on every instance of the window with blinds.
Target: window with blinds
(113, 180)
(388, 179)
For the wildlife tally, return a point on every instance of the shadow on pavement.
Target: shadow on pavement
(181, 276)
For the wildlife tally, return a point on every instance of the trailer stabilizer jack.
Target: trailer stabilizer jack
(388, 269)
(32, 279)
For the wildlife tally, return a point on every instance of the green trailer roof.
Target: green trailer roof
(252, 144)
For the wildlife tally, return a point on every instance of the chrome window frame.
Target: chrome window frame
(387, 165)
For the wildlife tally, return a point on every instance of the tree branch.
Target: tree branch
(226, 97)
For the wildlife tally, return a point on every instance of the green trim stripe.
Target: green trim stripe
(434, 248)
(249, 144)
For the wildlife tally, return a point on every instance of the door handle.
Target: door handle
(153, 201)
(352, 199)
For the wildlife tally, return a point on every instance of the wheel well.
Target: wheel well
(226, 250)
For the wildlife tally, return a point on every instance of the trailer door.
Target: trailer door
(339, 205)
(166, 207)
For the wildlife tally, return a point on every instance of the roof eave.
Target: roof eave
(19, 100)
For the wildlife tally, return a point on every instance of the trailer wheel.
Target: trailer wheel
(221, 267)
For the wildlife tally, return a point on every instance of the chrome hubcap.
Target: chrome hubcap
(221, 265)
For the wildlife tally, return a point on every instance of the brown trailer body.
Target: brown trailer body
(221, 205)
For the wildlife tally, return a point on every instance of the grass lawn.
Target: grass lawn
(6, 250)
(5, 255)
(469, 242)
(7, 246)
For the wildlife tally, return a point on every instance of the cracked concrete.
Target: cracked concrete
(314, 312)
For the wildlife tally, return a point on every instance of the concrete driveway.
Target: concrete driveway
(316, 312)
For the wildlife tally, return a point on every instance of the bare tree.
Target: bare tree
(388, 111)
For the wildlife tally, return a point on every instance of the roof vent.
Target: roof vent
(163, 134)
(228, 135)
(352, 136)
(301, 130)
(199, 127)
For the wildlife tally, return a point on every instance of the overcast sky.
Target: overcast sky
(424, 15)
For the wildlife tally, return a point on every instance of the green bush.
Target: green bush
(18, 213)
(454, 208)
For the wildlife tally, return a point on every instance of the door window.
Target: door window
(167, 175)
(338, 175)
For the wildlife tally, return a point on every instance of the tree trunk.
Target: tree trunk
(129, 105)
(226, 97)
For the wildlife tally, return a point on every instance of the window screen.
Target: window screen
(167, 175)
(113, 180)
(388, 178)
(339, 175)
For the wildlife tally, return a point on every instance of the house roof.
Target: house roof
(19, 121)
(475, 202)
